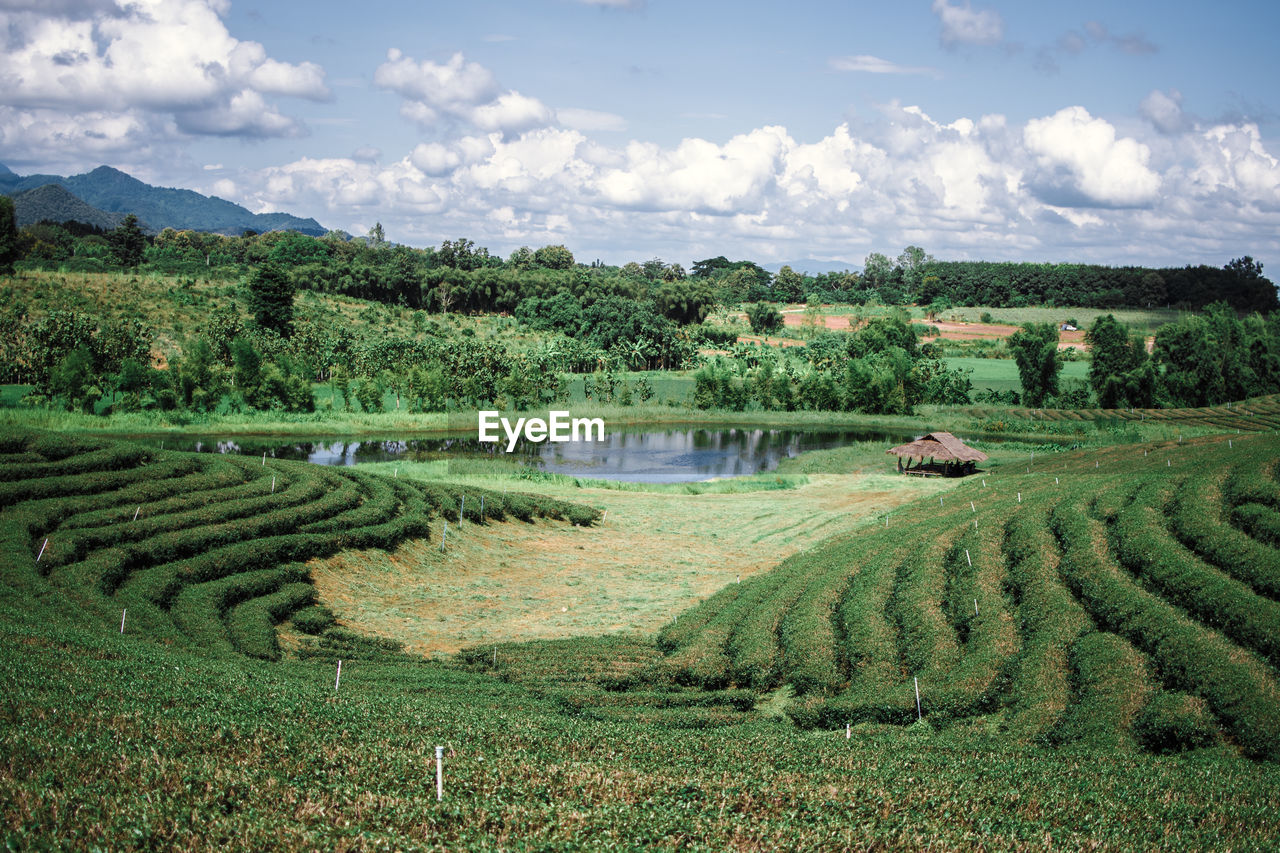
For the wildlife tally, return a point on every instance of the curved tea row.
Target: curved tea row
(1129, 596)
(209, 550)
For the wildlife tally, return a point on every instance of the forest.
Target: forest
(558, 318)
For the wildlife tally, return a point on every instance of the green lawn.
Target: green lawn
(1001, 374)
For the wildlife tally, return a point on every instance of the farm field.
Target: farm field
(1001, 374)
(1117, 686)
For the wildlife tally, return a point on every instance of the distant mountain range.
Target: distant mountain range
(109, 195)
(814, 267)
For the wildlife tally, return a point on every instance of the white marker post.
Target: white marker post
(42, 547)
(919, 715)
(338, 680)
(972, 508)
(1019, 497)
(967, 557)
(122, 615)
(136, 511)
(462, 507)
(848, 731)
(273, 484)
(445, 537)
(264, 459)
(975, 608)
(439, 773)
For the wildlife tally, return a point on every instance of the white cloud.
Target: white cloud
(1164, 110)
(964, 25)
(159, 64)
(1098, 167)
(876, 65)
(1063, 186)
(458, 91)
(580, 119)
(697, 174)
(511, 111)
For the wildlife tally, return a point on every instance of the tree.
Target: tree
(788, 285)
(8, 234)
(271, 298)
(911, 264)
(128, 243)
(1120, 373)
(74, 381)
(764, 318)
(553, 258)
(1035, 349)
(377, 236)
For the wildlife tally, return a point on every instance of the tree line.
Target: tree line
(462, 276)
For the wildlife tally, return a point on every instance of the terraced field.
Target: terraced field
(210, 551)
(1253, 415)
(1068, 626)
(1121, 598)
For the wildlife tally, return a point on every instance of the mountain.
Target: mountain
(56, 203)
(814, 267)
(112, 191)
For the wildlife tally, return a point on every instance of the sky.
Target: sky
(1137, 132)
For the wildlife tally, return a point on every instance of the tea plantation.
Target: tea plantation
(1095, 641)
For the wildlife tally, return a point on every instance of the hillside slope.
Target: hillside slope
(114, 191)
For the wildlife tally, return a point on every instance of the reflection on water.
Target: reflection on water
(671, 455)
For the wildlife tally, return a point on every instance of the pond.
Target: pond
(648, 454)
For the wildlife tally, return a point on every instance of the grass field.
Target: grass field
(546, 581)
(1001, 374)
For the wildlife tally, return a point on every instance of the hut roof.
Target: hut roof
(942, 446)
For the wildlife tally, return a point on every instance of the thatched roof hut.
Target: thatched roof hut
(940, 447)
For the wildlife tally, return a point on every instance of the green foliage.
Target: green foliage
(765, 319)
(128, 243)
(8, 235)
(270, 296)
(1175, 722)
(1035, 349)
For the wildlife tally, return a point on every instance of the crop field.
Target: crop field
(1093, 634)
(1117, 598)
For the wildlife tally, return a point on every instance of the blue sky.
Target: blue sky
(1139, 132)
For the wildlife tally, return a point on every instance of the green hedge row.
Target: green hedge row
(200, 610)
(256, 501)
(1050, 621)
(252, 624)
(1143, 545)
(1195, 517)
(1242, 692)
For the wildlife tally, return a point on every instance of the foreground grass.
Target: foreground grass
(114, 743)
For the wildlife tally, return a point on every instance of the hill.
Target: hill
(811, 266)
(113, 191)
(55, 203)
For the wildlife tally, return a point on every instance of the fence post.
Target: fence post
(122, 615)
(338, 680)
(919, 715)
(439, 773)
